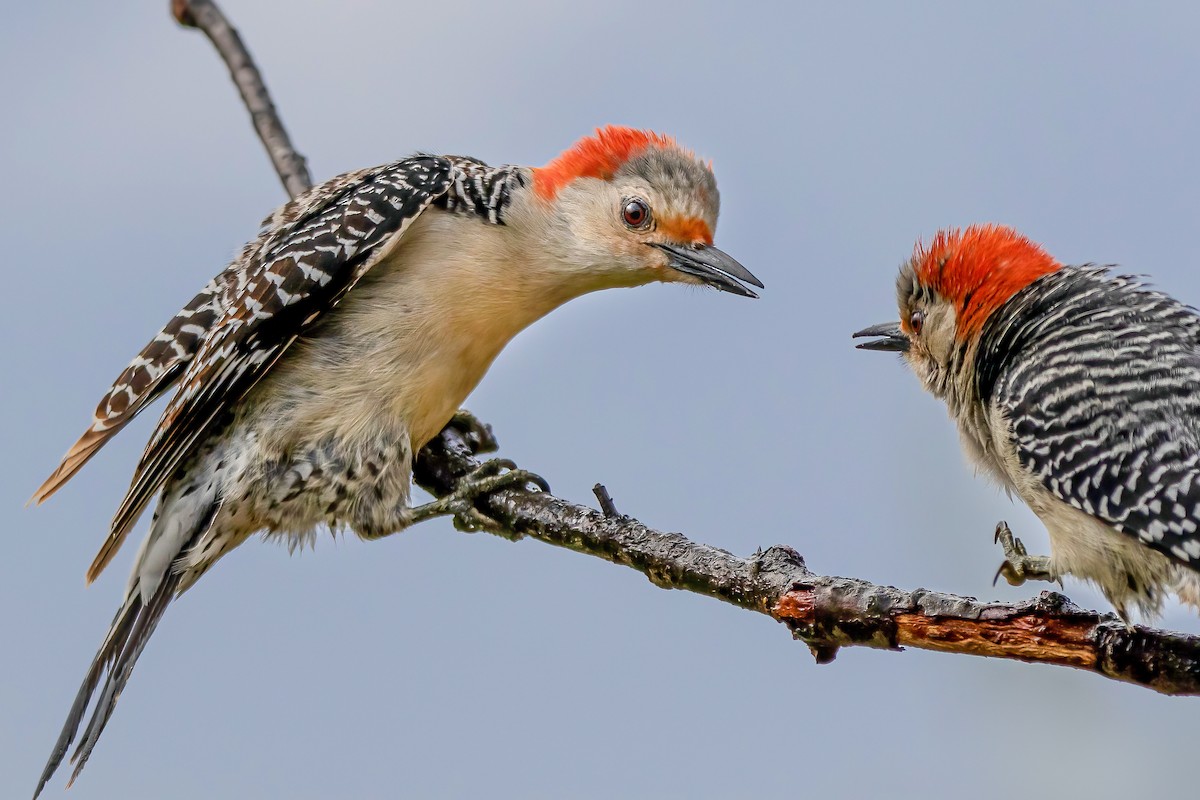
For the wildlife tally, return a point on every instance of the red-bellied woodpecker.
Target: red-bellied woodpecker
(348, 333)
(1076, 388)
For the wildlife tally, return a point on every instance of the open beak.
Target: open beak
(714, 267)
(887, 337)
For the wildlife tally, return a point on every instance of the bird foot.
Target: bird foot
(461, 504)
(1018, 566)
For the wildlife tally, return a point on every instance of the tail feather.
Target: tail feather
(184, 517)
(117, 634)
(131, 629)
(122, 668)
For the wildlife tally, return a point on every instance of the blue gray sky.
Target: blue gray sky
(436, 664)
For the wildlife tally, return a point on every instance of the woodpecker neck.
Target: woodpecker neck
(1061, 298)
(1015, 339)
(953, 382)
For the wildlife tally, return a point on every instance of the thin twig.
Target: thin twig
(289, 164)
(605, 499)
(826, 612)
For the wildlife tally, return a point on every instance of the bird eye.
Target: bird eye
(636, 213)
(916, 321)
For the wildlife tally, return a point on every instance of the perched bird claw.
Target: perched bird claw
(462, 504)
(479, 433)
(1018, 566)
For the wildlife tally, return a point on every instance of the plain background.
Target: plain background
(436, 664)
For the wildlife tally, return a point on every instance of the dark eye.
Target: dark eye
(636, 213)
(916, 321)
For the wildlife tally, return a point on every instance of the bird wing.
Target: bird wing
(155, 369)
(309, 255)
(162, 362)
(1104, 408)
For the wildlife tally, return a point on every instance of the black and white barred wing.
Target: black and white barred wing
(1107, 415)
(312, 252)
(157, 368)
(162, 362)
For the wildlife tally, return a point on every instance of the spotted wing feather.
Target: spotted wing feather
(156, 368)
(1104, 402)
(313, 251)
(161, 363)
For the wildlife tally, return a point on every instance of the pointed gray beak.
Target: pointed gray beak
(715, 267)
(887, 337)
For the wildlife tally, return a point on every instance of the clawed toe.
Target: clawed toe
(490, 476)
(1018, 566)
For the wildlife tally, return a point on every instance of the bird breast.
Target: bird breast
(412, 340)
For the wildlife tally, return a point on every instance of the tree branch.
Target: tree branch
(825, 612)
(289, 164)
(605, 499)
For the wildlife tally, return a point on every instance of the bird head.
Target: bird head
(949, 289)
(634, 207)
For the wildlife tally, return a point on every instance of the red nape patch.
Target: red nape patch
(979, 269)
(598, 156)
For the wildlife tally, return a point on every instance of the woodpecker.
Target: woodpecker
(345, 336)
(1076, 388)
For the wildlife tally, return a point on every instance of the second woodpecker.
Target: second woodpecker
(1077, 389)
(348, 333)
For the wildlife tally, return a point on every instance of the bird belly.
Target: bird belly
(357, 478)
(287, 492)
(438, 390)
(1125, 570)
